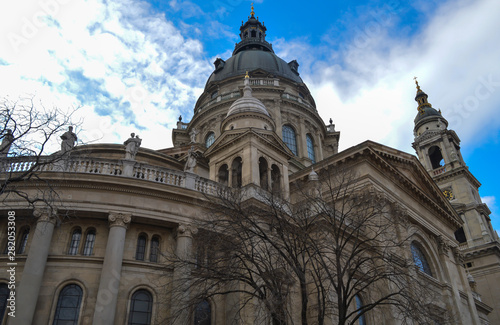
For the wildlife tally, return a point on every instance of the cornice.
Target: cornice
(456, 172)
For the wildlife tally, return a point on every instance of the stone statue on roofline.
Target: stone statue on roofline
(7, 140)
(132, 146)
(68, 140)
(192, 135)
(191, 161)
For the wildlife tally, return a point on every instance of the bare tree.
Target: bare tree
(335, 253)
(28, 134)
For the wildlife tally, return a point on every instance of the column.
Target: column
(181, 277)
(31, 280)
(107, 295)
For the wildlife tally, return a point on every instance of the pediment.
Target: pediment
(235, 137)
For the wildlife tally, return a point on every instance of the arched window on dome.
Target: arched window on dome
(419, 259)
(141, 308)
(76, 236)
(275, 179)
(263, 173)
(203, 313)
(290, 138)
(223, 175)
(23, 241)
(359, 305)
(209, 139)
(141, 247)
(236, 170)
(4, 295)
(310, 148)
(68, 305)
(88, 249)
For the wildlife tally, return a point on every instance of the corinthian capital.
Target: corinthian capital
(184, 230)
(45, 214)
(117, 219)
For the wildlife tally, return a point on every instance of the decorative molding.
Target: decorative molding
(117, 219)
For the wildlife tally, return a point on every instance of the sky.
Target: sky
(136, 66)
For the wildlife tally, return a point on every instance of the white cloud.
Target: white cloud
(128, 67)
(366, 85)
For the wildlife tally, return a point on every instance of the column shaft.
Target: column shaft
(107, 295)
(34, 268)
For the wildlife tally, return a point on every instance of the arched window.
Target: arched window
(141, 248)
(359, 305)
(310, 148)
(203, 314)
(435, 156)
(4, 295)
(141, 308)
(88, 249)
(209, 139)
(290, 138)
(68, 305)
(75, 242)
(275, 179)
(419, 259)
(223, 174)
(155, 249)
(263, 173)
(236, 169)
(23, 241)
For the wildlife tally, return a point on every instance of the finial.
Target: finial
(331, 121)
(252, 13)
(247, 76)
(415, 78)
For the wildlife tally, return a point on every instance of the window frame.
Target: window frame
(132, 304)
(290, 135)
(59, 302)
(420, 259)
(74, 243)
(137, 249)
(311, 154)
(23, 240)
(89, 232)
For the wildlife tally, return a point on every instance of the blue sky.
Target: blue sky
(135, 66)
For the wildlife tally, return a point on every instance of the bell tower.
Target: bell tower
(438, 149)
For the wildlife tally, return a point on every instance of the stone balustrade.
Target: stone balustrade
(114, 168)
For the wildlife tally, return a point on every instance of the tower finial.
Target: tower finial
(252, 13)
(415, 78)
(247, 76)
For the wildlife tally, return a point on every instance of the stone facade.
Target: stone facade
(121, 210)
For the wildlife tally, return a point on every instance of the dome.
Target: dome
(426, 112)
(247, 103)
(253, 59)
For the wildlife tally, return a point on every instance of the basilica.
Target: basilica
(100, 258)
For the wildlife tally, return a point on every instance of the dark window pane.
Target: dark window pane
(75, 242)
(203, 314)
(290, 139)
(23, 241)
(310, 148)
(141, 248)
(420, 259)
(210, 139)
(4, 295)
(89, 243)
(68, 305)
(155, 245)
(141, 307)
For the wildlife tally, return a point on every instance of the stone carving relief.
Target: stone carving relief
(117, 219)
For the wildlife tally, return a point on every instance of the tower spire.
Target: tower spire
(252, 12)
(421, 98)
